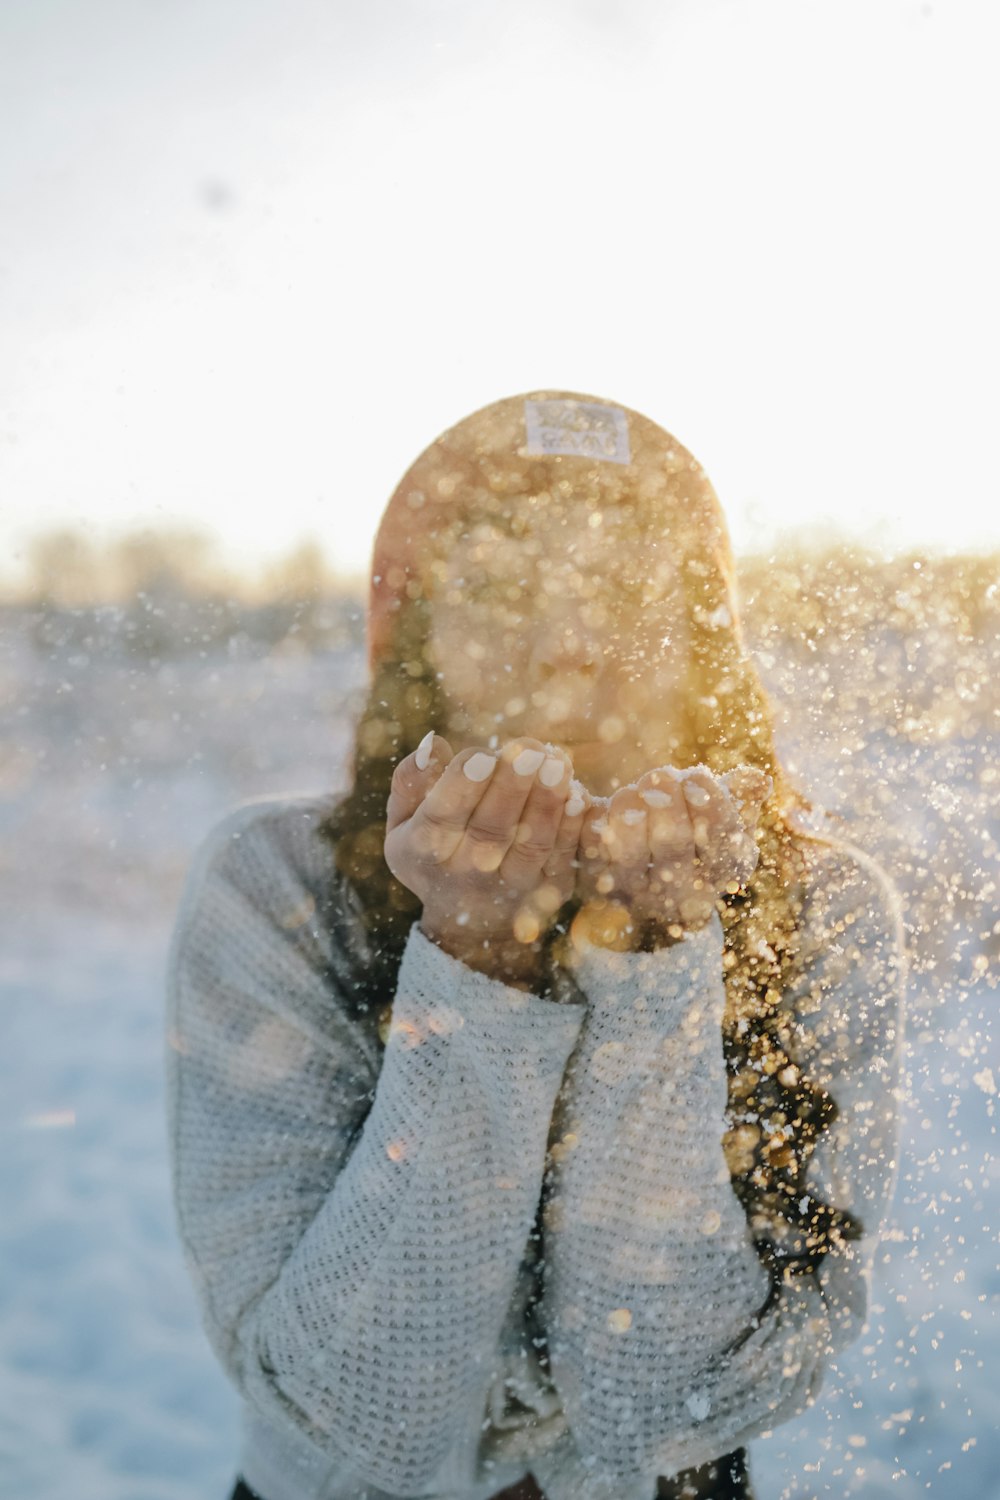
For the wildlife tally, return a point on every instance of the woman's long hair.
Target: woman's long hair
(775, 1112)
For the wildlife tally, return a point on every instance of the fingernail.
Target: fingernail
(654, 798)
(527, 763)
(479, 766)
(695, 794)
(552, 771)
(422, 754)
(632, 816)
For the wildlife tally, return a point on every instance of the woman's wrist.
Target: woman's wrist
(513, 963)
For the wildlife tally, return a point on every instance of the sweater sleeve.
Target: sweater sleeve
(850, 1004)
(665, 1341)
(353, 1256)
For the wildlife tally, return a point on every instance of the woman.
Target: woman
(532, 1106)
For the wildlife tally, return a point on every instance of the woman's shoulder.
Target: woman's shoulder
(263, 889)
(278, 832)
(846, 890)
(267, 864)
(848, 987)
(265, 921)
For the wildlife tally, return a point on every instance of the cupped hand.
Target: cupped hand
(660, 851)
(487, 842)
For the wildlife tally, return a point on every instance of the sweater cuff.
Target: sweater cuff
(663, 985)
(440, 994)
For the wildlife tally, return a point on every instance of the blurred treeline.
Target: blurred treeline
(912, 639)
(162, 594)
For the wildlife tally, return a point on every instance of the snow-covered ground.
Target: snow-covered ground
(111, 773)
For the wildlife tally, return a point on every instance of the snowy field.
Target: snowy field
(111, 772)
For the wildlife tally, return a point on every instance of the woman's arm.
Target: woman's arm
(851, 1003)
(664, 1344)
(353, 1259)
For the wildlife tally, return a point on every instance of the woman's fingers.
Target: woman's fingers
(414, 776)
(439, 823)
(592, 852)
(723, 835)
(516, 813)
(669, 844)
(563, 859)
(541, 861)
(627, 837)
(750, 788)
(671, 838)
(493, 821)
(483, 813)
(490, 846)
(527, 798)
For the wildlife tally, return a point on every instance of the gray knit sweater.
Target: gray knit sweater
(382, 1239)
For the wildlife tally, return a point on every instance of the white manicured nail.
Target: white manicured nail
(479, 766)
(552, 771)
(422, 754)
(633, 816)
(655, 798)
(527, 763)
(696, 795)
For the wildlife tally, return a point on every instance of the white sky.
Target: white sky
(255, 256)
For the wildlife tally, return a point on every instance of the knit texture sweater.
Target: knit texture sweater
(477, 1232)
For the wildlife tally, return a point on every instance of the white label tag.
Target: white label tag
(582, 428)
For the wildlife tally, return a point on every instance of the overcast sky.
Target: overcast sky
(255, 256)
